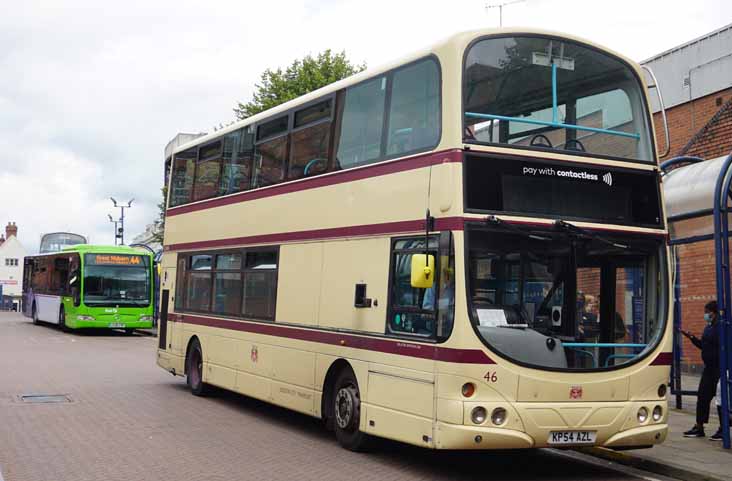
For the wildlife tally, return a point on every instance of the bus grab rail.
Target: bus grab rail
(558, 125)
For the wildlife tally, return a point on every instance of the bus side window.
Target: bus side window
(411, 310)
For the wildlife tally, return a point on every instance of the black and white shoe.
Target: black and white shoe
(716, 436)
(695, 432)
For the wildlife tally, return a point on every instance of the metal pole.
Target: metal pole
(122, 226)
(721, 250)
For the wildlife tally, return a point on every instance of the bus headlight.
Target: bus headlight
(657, 413)
(478, 415)
(146, 318)
(642, 415)
(499, 416)
(84, 318)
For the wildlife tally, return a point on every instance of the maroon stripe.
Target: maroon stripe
(401, 348)
(446, 223)
(663, 359)
(339, 177)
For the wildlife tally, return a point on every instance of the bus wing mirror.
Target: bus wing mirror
(423, 271)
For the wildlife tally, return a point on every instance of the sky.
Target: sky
(91, 92)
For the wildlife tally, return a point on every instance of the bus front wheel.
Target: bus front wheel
(34, 314)
(347, 413)
(194, 369)
(62, 319)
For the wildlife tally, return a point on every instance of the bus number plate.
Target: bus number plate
(572, 437)
(116, 324)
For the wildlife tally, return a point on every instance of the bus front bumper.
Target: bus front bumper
(104, 324)
(451, 436)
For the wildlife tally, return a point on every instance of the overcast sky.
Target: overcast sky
(91, 91)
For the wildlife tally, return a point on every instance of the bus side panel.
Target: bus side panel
(47, 307)
(351, 262)
(221, 357)
(299, 279)
(293, 374)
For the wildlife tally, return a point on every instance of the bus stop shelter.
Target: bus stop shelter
(699, 205)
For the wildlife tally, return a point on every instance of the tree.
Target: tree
(160, 222)
(301, 77)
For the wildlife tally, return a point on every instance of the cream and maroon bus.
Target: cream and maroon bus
(464, 249)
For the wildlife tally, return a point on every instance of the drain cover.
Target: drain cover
(45, 398)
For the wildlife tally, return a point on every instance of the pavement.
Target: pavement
(123, 418)
(697, 459)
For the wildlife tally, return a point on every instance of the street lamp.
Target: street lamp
(120, 233)
(500, 6)
(115, 227)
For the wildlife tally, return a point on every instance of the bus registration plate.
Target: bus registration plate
(572, 437)
(116, 324)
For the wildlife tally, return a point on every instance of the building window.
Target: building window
(11, 262)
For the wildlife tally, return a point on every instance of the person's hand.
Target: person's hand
(686, 333)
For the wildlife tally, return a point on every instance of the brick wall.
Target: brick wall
(696, 261)
(687, 119)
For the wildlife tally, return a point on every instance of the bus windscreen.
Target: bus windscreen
(116, 279)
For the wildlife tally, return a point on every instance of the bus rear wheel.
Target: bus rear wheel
(194, 370)
(347, 413)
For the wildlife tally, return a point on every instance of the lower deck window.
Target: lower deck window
(240, 283)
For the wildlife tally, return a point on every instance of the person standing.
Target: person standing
(709, 345)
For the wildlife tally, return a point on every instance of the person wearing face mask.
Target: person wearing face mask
(709, 345)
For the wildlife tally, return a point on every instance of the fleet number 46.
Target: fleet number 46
(491, 376)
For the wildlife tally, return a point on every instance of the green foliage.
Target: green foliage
(303, 76)
(160, 222)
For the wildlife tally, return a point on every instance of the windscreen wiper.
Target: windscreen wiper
(571, 228)
(495, 221)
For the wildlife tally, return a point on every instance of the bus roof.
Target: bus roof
(91, 248)
(456, 42)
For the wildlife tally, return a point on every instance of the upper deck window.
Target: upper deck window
(546, 93)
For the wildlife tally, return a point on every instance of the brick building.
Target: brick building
(696, 83)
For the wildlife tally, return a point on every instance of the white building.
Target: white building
(12, 254)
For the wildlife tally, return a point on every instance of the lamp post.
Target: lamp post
(120, 233)
(115, 227)
(500, 9)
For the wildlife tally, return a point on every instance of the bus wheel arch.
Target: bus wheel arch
(326, 403)
(342, 398)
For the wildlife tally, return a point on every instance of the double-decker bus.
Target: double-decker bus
(55, 241)
(464, 249)
(90, 286)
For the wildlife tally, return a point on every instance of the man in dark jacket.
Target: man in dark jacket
(709, 345)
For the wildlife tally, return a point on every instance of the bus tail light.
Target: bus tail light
(478, 415)
(468, 389)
